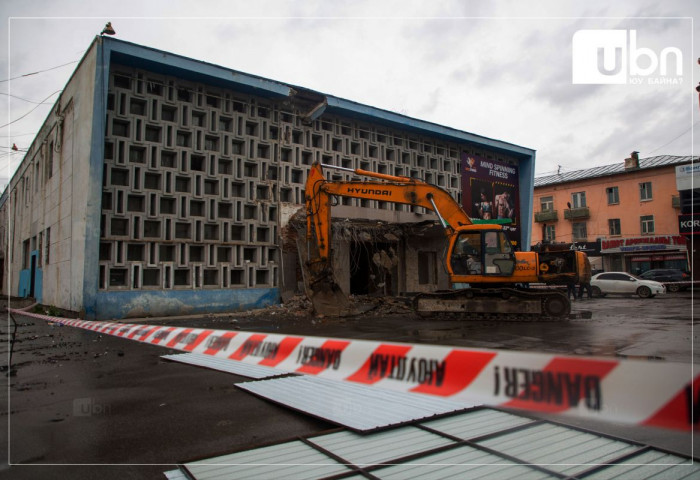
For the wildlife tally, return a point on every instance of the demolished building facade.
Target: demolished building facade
(163, 185)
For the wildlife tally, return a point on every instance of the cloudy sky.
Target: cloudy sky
(499, 69)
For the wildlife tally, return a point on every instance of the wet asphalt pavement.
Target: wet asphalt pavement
(82, 405)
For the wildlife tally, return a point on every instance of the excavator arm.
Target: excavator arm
(394, 189)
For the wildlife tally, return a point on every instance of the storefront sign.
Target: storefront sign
(687, 176)
(643, 244)
(591, 248)
(689, 224)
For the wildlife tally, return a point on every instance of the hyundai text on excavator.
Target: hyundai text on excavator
(479, 256)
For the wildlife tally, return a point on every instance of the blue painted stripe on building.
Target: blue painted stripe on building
(526, 172)
(131, 304)
(91, 268)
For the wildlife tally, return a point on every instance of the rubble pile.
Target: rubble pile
(383, 305)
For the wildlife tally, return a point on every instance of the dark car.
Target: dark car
(669, 276)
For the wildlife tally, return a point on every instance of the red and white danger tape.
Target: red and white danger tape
(632, 391)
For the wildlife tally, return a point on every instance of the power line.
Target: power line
(40, 71)
(18, 135)
(676, 138)
(20, 98)
(30, 111)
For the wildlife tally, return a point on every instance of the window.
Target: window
(546, 204)
(26, 252)
(645, 191)
(47, 245)
(614, 226)
(549, 234)
(578, 200)
(49, 163)
(647, 222)
(613, 195)
(579, 232)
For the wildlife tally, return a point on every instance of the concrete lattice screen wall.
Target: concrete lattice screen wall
(194, 178)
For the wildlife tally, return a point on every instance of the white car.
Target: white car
(624, 283)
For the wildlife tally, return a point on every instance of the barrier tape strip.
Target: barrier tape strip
(661, 394)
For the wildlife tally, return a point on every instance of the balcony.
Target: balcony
(676, 201)
(577, 213)
(546, 216)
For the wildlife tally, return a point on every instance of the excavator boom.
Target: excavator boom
(394, 189)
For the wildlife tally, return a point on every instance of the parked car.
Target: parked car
(624, 283)
(668, 276)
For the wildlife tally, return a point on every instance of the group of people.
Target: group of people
(571, 290)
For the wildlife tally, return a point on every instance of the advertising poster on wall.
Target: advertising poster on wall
(490, 193)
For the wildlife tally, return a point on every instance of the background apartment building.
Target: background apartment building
(164, 185)
(625, 215)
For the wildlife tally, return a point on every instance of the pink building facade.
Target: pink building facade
(625, 215)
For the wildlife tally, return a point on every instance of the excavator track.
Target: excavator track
(503, 304)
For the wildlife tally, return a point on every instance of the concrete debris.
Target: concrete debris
(300, 306)
(381, 305)
(386, 260)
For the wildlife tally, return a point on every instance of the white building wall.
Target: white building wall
(51, 215)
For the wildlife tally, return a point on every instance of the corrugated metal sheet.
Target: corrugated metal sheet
(616, 168)
(223, 365)
(357, 407)
(562, 449)
(476, 424)
(380, 447)
(175, 475)
(538, 449)
(286, 460)
(652, 464)
(461, 462)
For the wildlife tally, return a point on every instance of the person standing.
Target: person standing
(589, 290)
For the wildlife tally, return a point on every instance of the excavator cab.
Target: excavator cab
(482, 252)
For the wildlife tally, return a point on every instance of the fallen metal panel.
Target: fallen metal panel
(224, 365)
(515, 447)
(175, 475)
(562, 449)
(650, 464)
(379, 447)
(476, 424)
(287, 460)
(357, 407)
(461, 462)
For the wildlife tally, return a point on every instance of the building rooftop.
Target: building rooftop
(614, 169)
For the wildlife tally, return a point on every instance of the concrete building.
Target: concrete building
(625, 215)
(159, 185)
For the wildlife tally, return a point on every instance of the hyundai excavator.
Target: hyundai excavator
(479, 256)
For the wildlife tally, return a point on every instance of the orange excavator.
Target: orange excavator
(491, 278)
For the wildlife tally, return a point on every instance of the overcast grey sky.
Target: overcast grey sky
(500, 69)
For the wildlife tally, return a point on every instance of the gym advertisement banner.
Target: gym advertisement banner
(490, 192)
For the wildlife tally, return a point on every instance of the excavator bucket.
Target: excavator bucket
(328, 299)
(326, 296)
